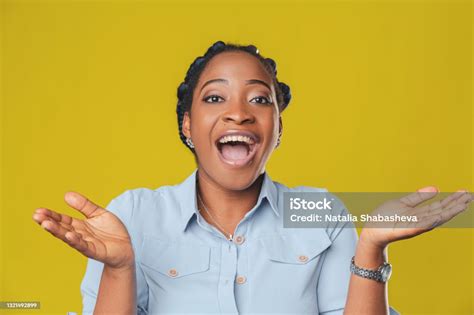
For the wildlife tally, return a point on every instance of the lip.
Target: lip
(253, 148)
(236, 132)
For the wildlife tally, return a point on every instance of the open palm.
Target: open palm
(428, 216)
(101, 235)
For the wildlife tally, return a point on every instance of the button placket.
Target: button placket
(228, 265)
(239, 232)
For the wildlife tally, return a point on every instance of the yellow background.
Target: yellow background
(382, 101)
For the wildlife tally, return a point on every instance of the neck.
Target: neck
(226, 206)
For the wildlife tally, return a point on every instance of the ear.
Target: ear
(186, 127)
(280, 126)
(280, 130)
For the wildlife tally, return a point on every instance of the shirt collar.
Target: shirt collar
(186, 196)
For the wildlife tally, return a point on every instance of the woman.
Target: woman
(215, 243)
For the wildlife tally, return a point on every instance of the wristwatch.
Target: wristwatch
(381, 274)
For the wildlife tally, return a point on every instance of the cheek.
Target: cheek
(202, 122)
(270, 125)
(277, 121)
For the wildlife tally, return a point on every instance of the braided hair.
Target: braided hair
(186, 88)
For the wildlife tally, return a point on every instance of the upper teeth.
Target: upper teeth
(245, 139)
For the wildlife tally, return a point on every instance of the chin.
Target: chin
(238, 181)
(232, 177)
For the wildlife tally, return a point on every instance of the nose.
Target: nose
(239, 114)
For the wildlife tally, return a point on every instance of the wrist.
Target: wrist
(120, 270)
(366, 237)
(369, 255)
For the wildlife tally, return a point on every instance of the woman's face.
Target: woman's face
(234, 121)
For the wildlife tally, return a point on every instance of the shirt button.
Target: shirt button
(240, 279)
(172, 272)
(303, 258)
(239, 239)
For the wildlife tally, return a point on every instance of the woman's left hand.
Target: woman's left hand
(428, 216)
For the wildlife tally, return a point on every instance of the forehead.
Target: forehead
(235, 65)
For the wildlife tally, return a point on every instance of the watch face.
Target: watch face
(386, 272)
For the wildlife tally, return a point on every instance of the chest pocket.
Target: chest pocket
(174, 260)
(295, 250)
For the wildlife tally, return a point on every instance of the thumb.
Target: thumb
(419, 196)
(84, 205)
(428, 189)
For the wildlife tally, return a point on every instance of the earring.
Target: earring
(190, 143)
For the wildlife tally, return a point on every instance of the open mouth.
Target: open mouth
(237, 149)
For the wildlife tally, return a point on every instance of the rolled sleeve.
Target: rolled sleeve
(333, 284)
(122, 207)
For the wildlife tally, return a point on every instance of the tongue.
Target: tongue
(234, 152)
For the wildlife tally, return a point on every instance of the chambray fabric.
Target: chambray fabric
(185, 265)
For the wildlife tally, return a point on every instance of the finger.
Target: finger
(55, 228)
(58, 217)
(84, 205)
(464, 199)
(436, 218)
(39, 218)
(460, 197)
(67, 226)
(77, 241)
(471, 198)
(419, 196)
(448, 201)
(446, 215)
(452, 212)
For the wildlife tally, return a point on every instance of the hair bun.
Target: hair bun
(182, 88)
(286, 93)
(272, 64)
(253, 49)
(198, 61)
(216, 46)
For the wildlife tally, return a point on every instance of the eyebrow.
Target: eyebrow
(255, 81)
(248, 82)
(214, 80)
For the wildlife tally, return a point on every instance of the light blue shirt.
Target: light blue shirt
(185, 265)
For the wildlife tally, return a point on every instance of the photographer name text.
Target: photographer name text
(325, 204)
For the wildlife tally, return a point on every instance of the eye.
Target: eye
(261, 100)
(213, 99)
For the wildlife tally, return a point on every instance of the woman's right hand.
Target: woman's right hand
(100, 236)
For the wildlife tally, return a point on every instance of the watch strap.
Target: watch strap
(367, 273)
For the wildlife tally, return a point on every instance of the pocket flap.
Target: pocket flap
(174, 259)
(293, 249)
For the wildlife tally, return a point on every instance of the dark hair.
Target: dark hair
(186, 88)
